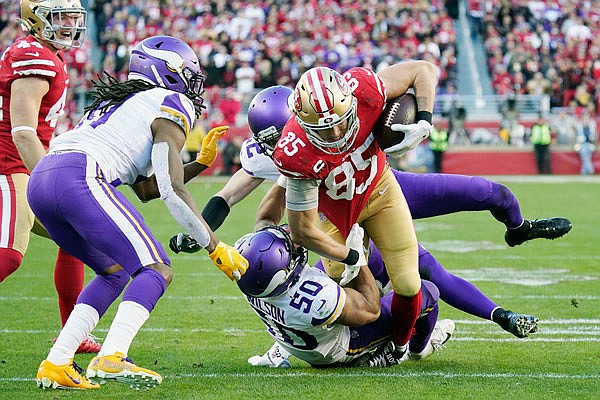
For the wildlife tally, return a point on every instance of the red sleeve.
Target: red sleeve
(28, 58)
(366, 86)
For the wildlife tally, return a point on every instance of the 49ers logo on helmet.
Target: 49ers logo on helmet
(297, 101)
(343, 84)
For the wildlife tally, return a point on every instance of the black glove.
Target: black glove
(184, 242)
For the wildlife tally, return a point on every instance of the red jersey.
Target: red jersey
(347, 179)
(25, 58)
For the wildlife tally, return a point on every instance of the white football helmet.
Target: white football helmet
(59, 22)
(323, 99)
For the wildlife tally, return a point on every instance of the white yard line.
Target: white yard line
(380, 373)
(228, 298)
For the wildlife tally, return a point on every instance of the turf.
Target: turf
(202, 332)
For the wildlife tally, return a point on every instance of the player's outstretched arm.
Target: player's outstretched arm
(168, 169)
(207, 155)
(237, 188)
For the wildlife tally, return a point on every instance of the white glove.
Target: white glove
(354, 241)
(275, 357)
(414, 134)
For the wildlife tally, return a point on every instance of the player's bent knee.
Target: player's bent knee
(407, 287)
(165, 270)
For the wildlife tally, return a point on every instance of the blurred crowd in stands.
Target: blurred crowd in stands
(537, 47)
(543, 47)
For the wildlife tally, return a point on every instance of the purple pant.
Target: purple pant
(429, 195)
(88, 217)
(380, 331)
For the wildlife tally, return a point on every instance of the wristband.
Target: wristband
(215, 212)
(424, 115)
(351, 258)
(23, 128)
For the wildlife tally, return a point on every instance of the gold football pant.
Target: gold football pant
(17, 217)
(387, 221)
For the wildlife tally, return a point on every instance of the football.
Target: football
(400, 110)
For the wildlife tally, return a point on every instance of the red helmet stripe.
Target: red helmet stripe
(319, 91)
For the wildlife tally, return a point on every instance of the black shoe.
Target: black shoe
(520, 325)
(549, 228)
(384, 356)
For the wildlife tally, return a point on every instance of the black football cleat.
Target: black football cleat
(549, 228)
(520, 325)
(385, 355)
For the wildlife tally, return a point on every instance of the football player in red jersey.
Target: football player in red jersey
(339, 175)
(33, 90)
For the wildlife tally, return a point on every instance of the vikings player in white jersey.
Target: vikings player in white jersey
(318, 321)
(133, 129)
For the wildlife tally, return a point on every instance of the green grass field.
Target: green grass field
(202, 332)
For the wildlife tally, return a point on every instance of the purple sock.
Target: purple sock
(146, 288)
(504, 206)
(455, 291)
(103, 290)
(425, 323)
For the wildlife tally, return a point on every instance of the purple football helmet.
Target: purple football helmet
(267, 114)
(170, 63)
(274, 262)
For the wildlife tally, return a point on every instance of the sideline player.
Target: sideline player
(132, 129)
(33, 90)
(315, 319)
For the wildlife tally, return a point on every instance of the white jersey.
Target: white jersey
(302, 318)
(120, 144)
(257, 164)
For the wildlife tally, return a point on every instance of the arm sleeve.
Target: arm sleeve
(180, 211)
(302, 194)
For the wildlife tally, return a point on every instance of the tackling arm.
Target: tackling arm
(363, 304)
(305, 233)
(25, 100)
(238, 187)
(271, 208)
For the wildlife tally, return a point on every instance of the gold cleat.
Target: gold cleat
(68, 376)
(122, 369)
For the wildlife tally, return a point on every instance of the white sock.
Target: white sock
(82, 320)
(126, 324)
(520, 225)
(492, 313)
